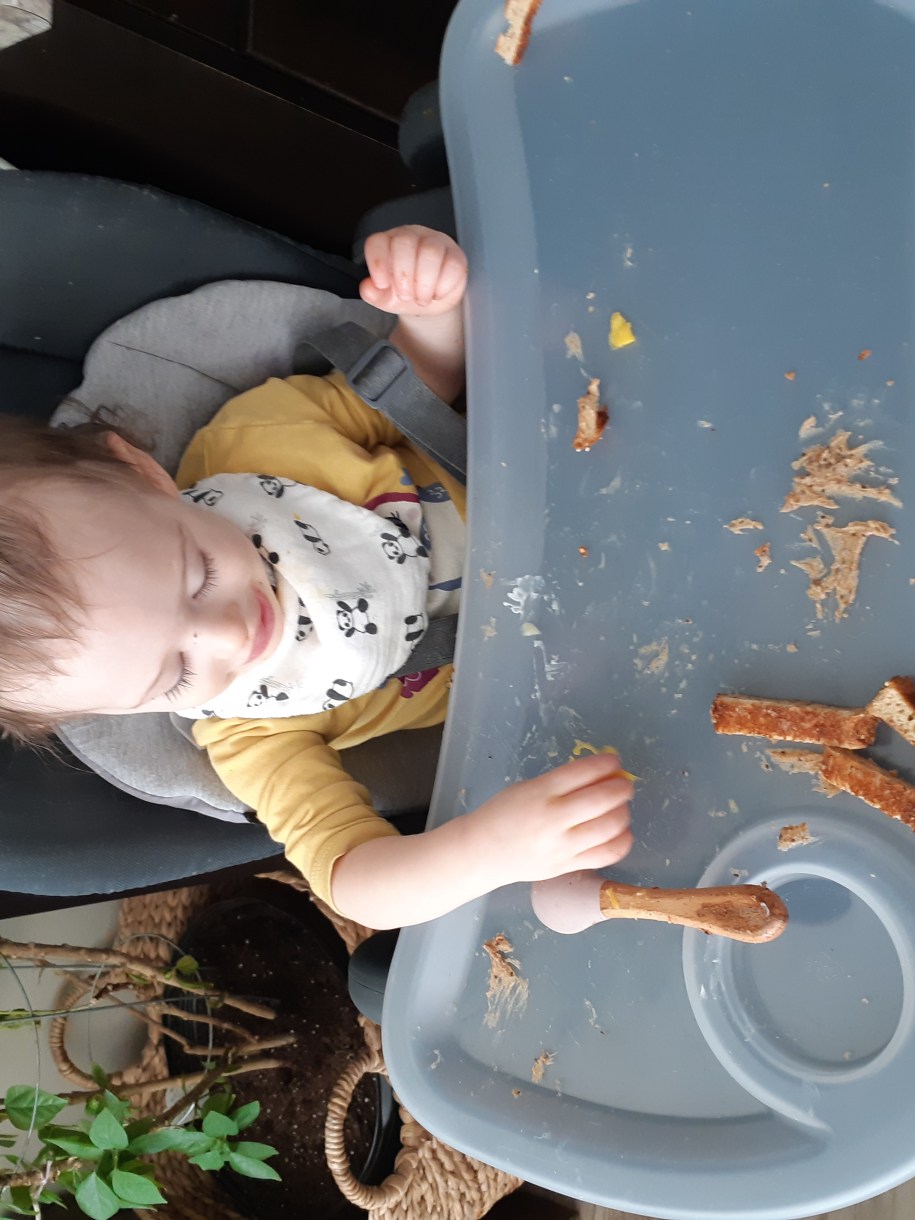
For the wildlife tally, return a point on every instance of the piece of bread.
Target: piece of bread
(794, 720)
(895, 706)
(797, 835)
(520, 16)
(863, 778)
(592, 417)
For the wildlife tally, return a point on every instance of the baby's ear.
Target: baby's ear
(143, 463)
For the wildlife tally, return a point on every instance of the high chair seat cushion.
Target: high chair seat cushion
(165, 370)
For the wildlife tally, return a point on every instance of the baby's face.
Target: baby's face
(177, 600)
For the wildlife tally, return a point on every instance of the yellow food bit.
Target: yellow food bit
(610, 893)
(585, 747)
(621, 332)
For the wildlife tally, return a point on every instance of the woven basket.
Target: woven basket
(430, 1181)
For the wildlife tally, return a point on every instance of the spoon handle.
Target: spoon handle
(742, 912)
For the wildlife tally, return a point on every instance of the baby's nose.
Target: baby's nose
(222, 630)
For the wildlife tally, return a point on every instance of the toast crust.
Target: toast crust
(520, 15)
(794, 720)
(864, 779)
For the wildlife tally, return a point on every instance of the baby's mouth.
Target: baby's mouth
(264, 629)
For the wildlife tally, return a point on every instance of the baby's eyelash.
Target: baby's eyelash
(187, 675)
(209, 574)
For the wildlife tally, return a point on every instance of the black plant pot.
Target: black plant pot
(271, 944)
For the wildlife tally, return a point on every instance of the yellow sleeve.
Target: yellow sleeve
(295, 782)
(304, 428)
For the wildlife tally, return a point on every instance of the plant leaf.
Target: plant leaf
(252, 1168)
(214, 1159)
(260, 1152)
(106, 1132)
(96, 1198)
(245, 1115)
(220, 1102)
(134, 1189)
(21, 1201)
(219, 1124)
(22, 1099)
(116, 1105)
(71, 1140)
(191, 1143)
(186, 965)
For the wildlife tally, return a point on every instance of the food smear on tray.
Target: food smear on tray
(508, 990)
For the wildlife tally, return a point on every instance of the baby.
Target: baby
(271, 601)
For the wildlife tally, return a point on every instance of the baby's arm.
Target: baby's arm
(420, 275)
(574, 817)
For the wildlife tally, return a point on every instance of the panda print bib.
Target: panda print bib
(352, 588)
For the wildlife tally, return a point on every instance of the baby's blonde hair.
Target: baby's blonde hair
(38, 609)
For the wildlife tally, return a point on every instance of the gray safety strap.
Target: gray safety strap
(434, 650)
(383, 377)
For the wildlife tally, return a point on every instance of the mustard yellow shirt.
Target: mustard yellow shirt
(317, 431)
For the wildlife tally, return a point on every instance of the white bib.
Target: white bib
(352, 587)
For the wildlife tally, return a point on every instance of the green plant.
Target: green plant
(101, 1158)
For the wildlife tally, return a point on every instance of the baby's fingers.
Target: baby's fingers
(588, 805)
(599, 830)
(605, 855)
(377, 255)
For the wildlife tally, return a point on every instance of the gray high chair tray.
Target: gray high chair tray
(737, 180)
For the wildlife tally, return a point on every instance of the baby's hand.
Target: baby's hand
(574, 817)
(413, 271)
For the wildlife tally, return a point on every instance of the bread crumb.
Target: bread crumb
(790, 375)
(592, 417)
(794, 836)
(808, 426)
(541, 1063)
(487, 577)
(829, 471)
(512, 44)
(764, 558)
(507, 991)
(663, 546)
(740, 524)
(621, 332)
(846, 542)
(864, 353)
(573, 345)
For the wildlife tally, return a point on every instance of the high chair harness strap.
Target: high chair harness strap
(383, 377)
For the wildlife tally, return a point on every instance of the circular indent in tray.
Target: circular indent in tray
(806, 1022)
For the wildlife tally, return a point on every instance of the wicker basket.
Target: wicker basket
(430, 1181)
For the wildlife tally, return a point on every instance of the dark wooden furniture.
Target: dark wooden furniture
(282, 112)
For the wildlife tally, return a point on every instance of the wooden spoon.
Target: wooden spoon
(571, 903)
